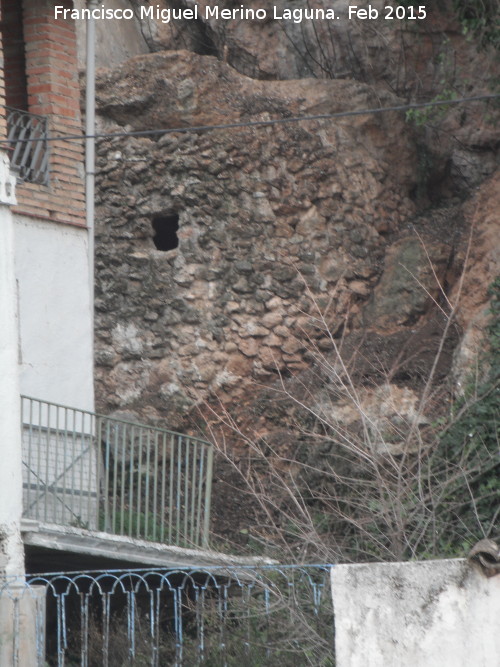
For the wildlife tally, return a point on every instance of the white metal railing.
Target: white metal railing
(90, 471)
(29, 153)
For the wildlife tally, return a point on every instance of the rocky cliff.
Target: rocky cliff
(237, 259)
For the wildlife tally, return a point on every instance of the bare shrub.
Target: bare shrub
(338, 481)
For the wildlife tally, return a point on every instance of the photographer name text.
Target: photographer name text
(296, 15)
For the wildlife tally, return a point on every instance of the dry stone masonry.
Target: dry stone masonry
(215, 246)
(224, 255)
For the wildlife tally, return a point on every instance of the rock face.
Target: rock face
(228, 256)
(308, 276)
(271, 220)
(481, 258)
(287, 45)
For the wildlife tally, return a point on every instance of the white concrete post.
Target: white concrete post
(11, 498)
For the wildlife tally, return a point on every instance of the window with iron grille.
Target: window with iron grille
(27, 133)
(28, 148)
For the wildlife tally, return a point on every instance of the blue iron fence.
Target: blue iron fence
(218, 616)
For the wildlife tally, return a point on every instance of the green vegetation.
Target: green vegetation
(471, 445)
(480, 19)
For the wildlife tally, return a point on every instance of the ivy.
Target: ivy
(481, 20)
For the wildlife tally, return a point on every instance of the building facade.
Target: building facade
(73, 482)
(46, 331)
(42, 99)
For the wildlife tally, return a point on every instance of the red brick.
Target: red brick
(53, 88)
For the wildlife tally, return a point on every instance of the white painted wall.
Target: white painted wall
(422, 614)
(11, 548)
(55, 324)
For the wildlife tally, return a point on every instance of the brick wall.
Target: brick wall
(52, 90)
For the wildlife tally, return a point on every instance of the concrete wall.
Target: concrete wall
(55, 336)
(424, 614)
(22, 626)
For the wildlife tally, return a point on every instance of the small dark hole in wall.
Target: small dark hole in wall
(166, 228)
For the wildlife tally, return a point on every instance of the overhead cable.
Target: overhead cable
(260, 123)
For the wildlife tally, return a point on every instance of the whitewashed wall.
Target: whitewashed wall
(422, 614)
(55, 327)
(11, 548)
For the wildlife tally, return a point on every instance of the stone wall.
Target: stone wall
(273, 223)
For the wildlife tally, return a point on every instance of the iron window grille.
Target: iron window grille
(29, 152)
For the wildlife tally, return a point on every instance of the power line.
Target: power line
(259, 123)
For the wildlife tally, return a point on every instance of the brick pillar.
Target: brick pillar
(54, 91)
(51, 62)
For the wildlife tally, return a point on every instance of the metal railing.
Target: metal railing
(269, 615)
(29, 152)
(90, 471)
